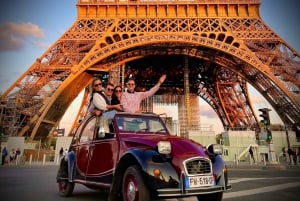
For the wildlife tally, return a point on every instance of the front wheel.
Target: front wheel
(210, 197)
(65, 188)
(133, 187)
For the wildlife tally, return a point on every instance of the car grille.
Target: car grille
(198, 166)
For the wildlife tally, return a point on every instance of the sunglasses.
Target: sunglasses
(109, 89)
(96, 85)
(130, 84)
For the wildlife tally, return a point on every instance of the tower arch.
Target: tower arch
(229, 37)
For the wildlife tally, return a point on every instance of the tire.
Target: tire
(210, 197)
(133, 186)
(65, 188)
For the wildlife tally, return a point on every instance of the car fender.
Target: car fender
(220, 170)
(151, 161)
(70, 156)
(66, 167)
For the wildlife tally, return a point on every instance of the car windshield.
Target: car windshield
(140, 124)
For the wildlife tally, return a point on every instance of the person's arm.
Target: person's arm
(161, 80)
(114, 107)
(154, 89)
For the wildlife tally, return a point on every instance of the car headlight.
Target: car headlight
(216, 149)
(164, 147)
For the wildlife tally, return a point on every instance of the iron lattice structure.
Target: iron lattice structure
(224, 44)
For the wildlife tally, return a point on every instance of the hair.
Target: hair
(93, 82)
(92, 90)
(118, 86)
(114, 98)
(109, 84)
(130, 79)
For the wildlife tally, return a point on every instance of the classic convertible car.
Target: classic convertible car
(134, 157)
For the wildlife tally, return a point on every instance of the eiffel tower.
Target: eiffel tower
(209, 49)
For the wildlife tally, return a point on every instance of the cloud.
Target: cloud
(42, 45)
(13, 36)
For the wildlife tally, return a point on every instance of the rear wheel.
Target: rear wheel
(65, 188)
(210, 197)
(133, 187)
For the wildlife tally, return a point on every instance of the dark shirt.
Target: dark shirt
(250, 151)
(115, 101)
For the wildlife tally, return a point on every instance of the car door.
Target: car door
(103, 157)
(84, 146)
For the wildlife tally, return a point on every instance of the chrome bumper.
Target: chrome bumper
(177, 192)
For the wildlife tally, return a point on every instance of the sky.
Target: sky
(29, 27)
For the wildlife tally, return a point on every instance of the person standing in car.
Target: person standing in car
(131, 99)
(116, 96)
(101, 100)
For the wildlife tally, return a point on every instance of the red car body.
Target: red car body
(134, 157)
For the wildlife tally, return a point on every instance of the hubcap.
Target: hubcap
(131, 191)
(62, 186)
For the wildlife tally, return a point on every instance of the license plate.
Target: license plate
(199, 181)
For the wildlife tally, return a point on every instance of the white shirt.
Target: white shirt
(98, 102)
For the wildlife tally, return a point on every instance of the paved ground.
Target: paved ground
(255, 182)
(230, 164)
